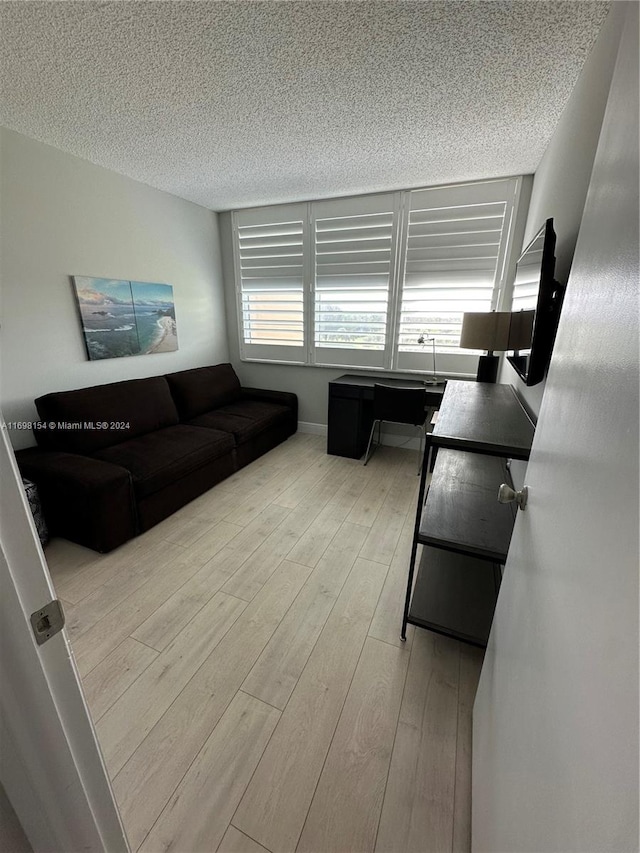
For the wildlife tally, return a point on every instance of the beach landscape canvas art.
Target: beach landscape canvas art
(121, 318)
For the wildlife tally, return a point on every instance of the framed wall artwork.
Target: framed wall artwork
(121, 318)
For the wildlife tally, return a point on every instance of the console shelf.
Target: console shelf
(461, 512)
(484, 418)
(455, 595)
(464, 531)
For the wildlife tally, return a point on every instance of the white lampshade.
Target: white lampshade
(486, 330)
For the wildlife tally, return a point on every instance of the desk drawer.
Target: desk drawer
(349, 392)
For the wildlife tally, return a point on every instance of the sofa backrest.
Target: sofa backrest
(90, 419)
(202, 389)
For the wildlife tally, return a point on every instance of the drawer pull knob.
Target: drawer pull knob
(507, 495)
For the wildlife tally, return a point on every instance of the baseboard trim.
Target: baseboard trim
(391, 439)
(311, 428)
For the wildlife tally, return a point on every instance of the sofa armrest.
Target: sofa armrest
(284, 398)
(86, 500)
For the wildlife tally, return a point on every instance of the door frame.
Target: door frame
(50, 761)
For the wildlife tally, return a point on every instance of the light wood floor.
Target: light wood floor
(243, 666)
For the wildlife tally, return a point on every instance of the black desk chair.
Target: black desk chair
(398, 406)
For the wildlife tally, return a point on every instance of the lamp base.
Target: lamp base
(488, 368)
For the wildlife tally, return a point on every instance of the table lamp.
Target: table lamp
(433, 379)
(486, 330)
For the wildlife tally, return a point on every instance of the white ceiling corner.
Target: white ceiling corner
(234, 104)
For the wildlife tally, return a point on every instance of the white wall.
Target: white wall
(61, 216)
(12, 837)
(562, 178)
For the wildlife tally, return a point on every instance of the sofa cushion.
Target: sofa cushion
(244, 418)
(204, 388)
(160, 458)
(128, 409)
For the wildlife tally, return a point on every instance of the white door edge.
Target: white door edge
(50, 761)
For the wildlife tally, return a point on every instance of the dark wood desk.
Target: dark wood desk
(351, 410)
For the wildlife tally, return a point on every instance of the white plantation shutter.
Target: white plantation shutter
(353, 282)
(354, 263)
(452, 256)
(455, 244)
(270, 269)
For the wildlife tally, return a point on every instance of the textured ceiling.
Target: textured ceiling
(231, 104)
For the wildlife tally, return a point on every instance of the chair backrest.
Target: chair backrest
(399, 405)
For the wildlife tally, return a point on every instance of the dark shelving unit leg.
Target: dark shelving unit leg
(414, 547)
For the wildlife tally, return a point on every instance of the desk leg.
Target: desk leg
(416, 529)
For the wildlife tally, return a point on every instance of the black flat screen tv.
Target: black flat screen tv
(535, 289)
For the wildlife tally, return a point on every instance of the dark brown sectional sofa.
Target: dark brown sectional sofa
(113, 460)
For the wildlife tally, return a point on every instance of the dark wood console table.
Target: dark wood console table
(464, 531)
(351, 410)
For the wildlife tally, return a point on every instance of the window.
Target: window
(354, 268)
(355, 282)
(455, 252)
(270, 267)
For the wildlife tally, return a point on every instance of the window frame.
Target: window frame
(461, 364)
(362, 359)
(286, 213)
